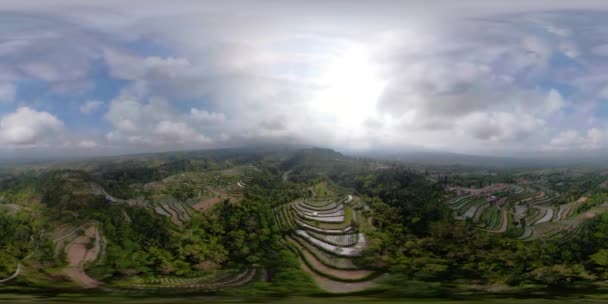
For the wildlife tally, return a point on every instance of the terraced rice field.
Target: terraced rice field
(177, 212)
(327, 259)
(320, 231)
(337, 250)
(73, 241)
(525, 212)
(213, 281)
(344, 240)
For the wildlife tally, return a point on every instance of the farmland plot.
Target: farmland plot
(320, 231)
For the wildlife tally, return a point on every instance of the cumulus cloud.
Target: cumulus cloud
(179, 132)
(205, 116)
(45, 47)
(87, 144)
(127, 66)
(90, 106)
(152, 122)
(501, 126)
(479, 77)
(30, 128)
(571, 140)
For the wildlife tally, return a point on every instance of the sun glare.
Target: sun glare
(351, 88)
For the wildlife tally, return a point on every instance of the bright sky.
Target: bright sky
(482, 77)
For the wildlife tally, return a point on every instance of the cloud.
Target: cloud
(600, 50)
(554, 102)
(207, 117)
(87, 144)
(179, 132)
(127, 66)
(276, 123)
(29, 128)
(478, 78)
(153, 123)
(90, 106)
(46, 47)
(570, 140)
(500, 126)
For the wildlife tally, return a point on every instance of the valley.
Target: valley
(297, 223)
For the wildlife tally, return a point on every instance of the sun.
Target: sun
(350, 87)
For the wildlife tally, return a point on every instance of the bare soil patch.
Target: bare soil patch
(78, 255)
(206, 204)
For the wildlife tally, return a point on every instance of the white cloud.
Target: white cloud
(127, 66)
(474, 77)
(153, 123)
(596, 139)
(29, 128)
(554, 102)
(87, 144)
(179, 132)
(570, 140)
(90, 106)
(205, 116)
(566, 140)
(500, 126)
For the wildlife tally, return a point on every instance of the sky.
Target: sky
(509, 78)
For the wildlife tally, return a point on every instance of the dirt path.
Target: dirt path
(346, 274)
(14, 275)
(80, 277)
(335, 286)
(78, 255)
(19, 266)
(206, 204)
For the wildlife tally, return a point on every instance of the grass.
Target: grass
(495, 220)
(461, 203)
(463, 209)
(513, 229)
(531, 214)
(348, 215)
(490, 217)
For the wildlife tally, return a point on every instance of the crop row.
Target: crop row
(304, 208)
(309, 227)
(327, 271)
(324, 257)
(322, 219)
(491, 218)
(337, 250)
(231, 280)
(344, 240)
